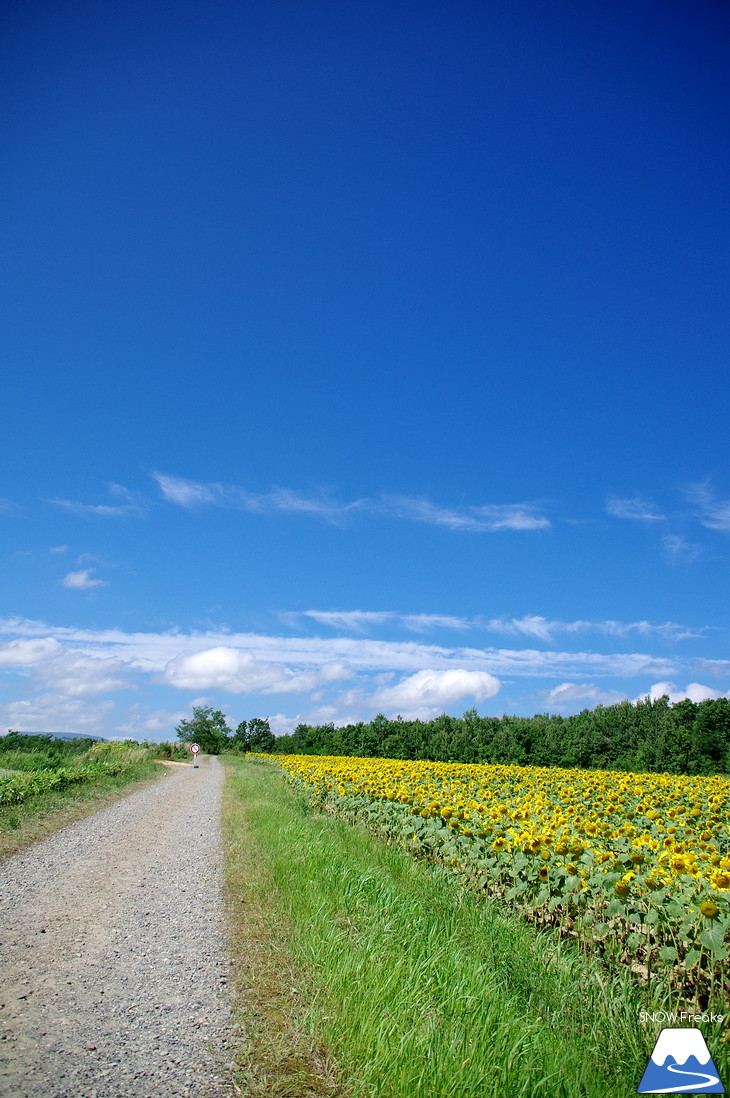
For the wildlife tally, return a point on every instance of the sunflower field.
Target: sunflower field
(634, 867)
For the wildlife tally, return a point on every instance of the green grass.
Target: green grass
(406, 985)
(281, 1055)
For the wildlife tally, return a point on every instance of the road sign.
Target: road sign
(195, 748)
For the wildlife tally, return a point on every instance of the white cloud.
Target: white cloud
(237, 672)
(82, 580)
(280, 724)
(719, 669)
(26, 652)
(636, 507)
(142, 724)
(436, 688)
(569, 692)
(75, 674)
(51, 713)
(695, 691)
(58, 549)
(71, 673)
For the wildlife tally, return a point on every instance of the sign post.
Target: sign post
(195, 748)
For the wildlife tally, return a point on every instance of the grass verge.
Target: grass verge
(375, 976)
(42, 815)
(281, 1054)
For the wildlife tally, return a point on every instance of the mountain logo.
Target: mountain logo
(680, 1062)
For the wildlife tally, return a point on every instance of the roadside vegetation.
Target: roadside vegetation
(46, 783)
(365, 973)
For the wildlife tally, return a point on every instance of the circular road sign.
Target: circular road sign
(195, 748)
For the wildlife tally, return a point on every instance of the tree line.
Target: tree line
(645, 736)
(648, 735)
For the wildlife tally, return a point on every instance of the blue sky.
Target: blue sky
(362, 357)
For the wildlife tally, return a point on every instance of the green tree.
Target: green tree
(240, 736)
(256, 735)
(207, 728)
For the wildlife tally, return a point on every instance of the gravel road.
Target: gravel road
(114, 963)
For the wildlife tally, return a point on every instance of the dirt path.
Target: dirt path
(114, 966)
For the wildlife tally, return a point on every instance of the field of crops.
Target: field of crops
(635, 867)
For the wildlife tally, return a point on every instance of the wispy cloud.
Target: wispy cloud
(636, 507)
(484, 517)
(421, 623)
(545, 629)
(193, 494)
(190, 493)
(512, 516)
(678, 550)
(351, 621)
(534, 626)
(130, 503)
(82, 580)
(358, 621)
(712, 512)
